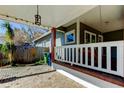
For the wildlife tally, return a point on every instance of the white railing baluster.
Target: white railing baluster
(59, 52)
(69, 54)
(86, 56)
(63, 54)
(116, 47)
(92, 56)
(120, 59)
(108, 58)
(77, 55)
(99, 57)
(55, 52)
(81, 55)
(73, 55)
(66, 53)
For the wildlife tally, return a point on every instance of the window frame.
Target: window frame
(101, 36)
(90, 33)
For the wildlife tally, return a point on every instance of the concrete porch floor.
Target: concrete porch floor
(41, 76)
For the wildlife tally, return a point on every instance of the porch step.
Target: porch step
(95, 77)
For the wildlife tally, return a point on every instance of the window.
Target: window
(89, 37)
(100, 38)
(93, 38)
(58, 42)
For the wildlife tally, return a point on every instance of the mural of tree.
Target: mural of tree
(23, 33)
(8, 47)
(21, 37)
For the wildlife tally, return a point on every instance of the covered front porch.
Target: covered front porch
(85, 41)
(94, 45)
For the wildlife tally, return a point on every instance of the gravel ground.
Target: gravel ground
(41, 76)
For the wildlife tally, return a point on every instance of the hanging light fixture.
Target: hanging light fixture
(100, 15)
(37, 17)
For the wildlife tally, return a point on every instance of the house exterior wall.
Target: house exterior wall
(60, 38)
(108, 36)
(114, 35)
(46, 41)
(70, 28)
(84, 27)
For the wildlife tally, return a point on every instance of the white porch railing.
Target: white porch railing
(106, 56)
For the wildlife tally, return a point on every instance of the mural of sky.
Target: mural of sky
(29, 29)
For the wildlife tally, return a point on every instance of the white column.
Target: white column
(78, 31)
(99, 57)
(108, 58)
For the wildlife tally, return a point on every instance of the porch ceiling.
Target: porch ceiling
(55, 15)
(111, 16)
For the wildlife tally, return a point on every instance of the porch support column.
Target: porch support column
(78, 30)
(53, 43)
